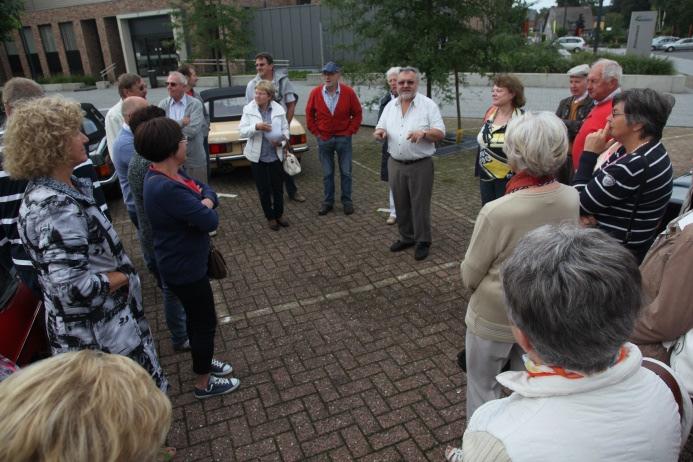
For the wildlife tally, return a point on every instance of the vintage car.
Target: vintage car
(225, 107)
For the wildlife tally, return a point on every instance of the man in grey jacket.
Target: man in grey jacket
(189, 113)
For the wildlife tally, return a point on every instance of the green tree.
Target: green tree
(675, 16)
(10, 10)
(212, 29)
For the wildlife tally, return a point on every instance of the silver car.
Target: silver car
(661, 42)
(683, 44)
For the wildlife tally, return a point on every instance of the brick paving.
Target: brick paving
(345, 351)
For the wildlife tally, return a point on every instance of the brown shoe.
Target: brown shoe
(283, 222)
(273, 225)
(298, 197)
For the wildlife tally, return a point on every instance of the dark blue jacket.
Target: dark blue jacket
(181, 226)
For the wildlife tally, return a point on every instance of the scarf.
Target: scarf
(523, 180)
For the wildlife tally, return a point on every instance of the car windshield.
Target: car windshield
(228, 107)
(89, 127)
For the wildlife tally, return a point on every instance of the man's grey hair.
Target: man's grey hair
(411, 69)
(180, 78)
(18, 88)
(392, 71)
(610, 69)
(575, 292)
(537, 143)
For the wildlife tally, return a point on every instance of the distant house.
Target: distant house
(567, 18)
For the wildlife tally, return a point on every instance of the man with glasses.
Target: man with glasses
(411, 124)
(333, 115)
(189, 114)
(603, 83)
(128, 85)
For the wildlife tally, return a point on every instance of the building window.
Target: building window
(30, 48)
(13, 56)
(52, 57)
(74, 60)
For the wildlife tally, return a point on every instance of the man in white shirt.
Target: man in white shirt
(189, 113)
(128, 85)
(412, 124)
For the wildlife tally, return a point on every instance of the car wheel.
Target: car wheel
(669, 49)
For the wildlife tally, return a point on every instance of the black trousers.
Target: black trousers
(201, 321)
(269, 180)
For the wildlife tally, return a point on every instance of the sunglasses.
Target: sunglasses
(406, 82)
(171, 84)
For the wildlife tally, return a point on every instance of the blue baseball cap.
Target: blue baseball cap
(330, 68)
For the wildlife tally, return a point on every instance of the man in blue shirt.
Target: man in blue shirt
(123, 149)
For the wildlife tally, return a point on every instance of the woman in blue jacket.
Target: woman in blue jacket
(181, 212)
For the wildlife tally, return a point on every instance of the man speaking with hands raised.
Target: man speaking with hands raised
(412, 124)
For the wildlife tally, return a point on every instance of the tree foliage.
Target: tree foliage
(10, 10)
(212, 28)
(437, 36)
(676, 16)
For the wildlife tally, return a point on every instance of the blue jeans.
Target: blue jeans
(342, 146)
(173, 308)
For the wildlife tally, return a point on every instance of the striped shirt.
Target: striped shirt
(609, 193)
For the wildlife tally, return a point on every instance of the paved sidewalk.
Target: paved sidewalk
(345, 351)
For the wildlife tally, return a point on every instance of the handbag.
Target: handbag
(291, 165)
(216, 265)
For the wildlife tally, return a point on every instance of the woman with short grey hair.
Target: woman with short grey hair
(626, 194)
(573, 295)
(537, 145)
(391, 76)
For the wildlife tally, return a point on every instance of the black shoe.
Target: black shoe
(348, 209)
(298, 197)
(462, 360)
(401, 245)
(283, 222)
(273, 225)
(324, 209)
(421, 251)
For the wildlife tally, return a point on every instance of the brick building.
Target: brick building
(87, 36)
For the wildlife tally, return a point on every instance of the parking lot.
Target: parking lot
(345, 351)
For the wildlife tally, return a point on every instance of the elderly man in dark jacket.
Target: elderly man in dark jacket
(573, 110)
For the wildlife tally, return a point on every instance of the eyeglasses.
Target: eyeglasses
(406, 82)
(171, 84)
(616, 114)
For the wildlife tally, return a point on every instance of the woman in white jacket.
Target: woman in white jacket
(264, 124)
(573, 295)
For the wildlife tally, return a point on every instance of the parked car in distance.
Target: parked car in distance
(225, 107)
(93, 125)
(683, 44)
(571, 43)
(660, 42)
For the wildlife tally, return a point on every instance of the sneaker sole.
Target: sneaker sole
(225, 392)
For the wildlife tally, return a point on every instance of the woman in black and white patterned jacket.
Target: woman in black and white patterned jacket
(91, 290)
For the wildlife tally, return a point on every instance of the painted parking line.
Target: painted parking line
(336, 295)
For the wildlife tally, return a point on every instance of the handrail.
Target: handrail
(107, 70)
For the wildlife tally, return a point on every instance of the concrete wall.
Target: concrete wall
(663, 83)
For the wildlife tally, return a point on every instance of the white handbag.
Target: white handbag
(291, 164)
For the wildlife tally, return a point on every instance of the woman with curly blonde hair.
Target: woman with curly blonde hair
(82, 406)
(91, 290)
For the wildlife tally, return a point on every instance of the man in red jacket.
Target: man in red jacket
(333, 115)
(603, 83)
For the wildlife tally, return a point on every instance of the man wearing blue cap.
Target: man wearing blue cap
(333, 115)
